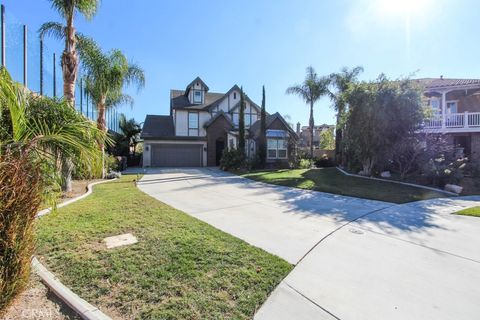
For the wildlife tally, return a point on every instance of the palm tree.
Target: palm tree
(70, 61)
(36, 133)
(131, 130)
(311, 90)
(341, 82)
(106, 76)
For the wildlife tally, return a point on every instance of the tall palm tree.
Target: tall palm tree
(341, 82)
(106, 76)
(311, 90)
(70, 61)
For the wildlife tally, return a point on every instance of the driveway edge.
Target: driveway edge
(84, 309)
(397, 182)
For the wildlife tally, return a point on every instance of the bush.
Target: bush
(441, 171)
(305, 164)
(324, 161)
(232, 160)
(20, 199)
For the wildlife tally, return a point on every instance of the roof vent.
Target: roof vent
(441, 77)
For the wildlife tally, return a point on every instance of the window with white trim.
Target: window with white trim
(435, 105)
(197, 96)
(277, 148)
(451, 107)
(193, 123)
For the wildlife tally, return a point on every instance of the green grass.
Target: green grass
(474, 212)
(181, 268)
(332, 181)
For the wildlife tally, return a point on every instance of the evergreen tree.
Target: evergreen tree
(241, 123)
(262, 148)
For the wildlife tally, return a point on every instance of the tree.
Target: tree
(311, 90)
(341, 82)
(381, 114)
(35, 133)
(241, 123)
(327, 139)
(106, 76)
(131, 131)
(262, 148)
(70, 61)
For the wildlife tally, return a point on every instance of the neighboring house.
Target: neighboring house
(304, 134)
(456, 108)
(202, 124)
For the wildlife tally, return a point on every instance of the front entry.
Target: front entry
(219, 147)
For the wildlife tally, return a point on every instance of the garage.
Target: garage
(177, 155)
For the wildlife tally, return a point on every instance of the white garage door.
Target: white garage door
(177, 155)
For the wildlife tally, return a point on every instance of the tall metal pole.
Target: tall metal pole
(87, 106)
(81, 96)
(3, 35)
(25, 62)
(41, 66)
(54, 76)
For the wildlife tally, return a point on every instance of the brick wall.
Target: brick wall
(475, 139)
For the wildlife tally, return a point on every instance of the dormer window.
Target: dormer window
(197, 96)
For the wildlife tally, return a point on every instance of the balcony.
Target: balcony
(454, 122)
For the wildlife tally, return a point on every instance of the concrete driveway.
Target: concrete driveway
(355, 258)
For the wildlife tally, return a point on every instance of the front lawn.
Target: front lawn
(332, 181)
(181, 268)
(474, 212)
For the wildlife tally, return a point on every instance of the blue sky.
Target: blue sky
(271, 42)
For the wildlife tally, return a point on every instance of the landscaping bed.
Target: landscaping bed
(473, 212)
(181, 268)
(332, 181)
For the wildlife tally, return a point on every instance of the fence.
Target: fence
(38, 68)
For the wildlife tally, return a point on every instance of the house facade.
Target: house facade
(202, 124)
(455, 105)
(304, 134)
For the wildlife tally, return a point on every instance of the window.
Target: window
(197, 96)
(234, 95)
(193, 124)
(435, 105)
(235, 118)
(451, 107)
(277, 149)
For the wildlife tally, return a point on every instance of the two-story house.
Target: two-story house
(456, 112)
(304, 134)
(201, 124)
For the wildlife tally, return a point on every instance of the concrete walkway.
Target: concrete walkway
(355, 258)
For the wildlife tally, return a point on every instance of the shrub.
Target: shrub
(324, 161)
(232, 160)
(305, 164)
(20, 199)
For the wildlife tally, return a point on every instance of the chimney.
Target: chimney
(298, 127)
(441, 77)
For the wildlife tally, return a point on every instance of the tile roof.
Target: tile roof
(158, 126)
(433, 83)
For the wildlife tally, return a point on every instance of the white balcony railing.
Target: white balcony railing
(467, 120)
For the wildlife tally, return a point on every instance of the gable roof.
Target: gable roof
(223, 97)
(218, 115)
(197, 79)
(158, 126)
(235, 106)
(269, 120)
(179, 100)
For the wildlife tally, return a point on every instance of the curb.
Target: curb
(84, 309)
(397, 182)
